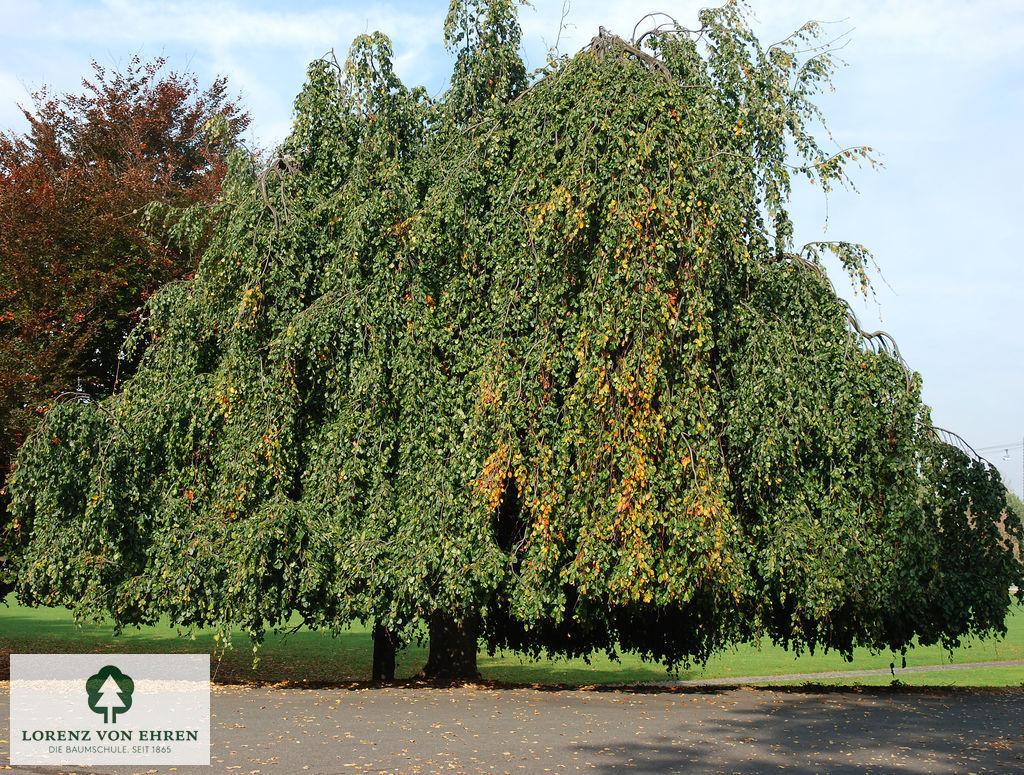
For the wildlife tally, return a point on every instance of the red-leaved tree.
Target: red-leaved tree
(76, 258)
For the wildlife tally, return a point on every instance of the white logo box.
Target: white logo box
(137, 709)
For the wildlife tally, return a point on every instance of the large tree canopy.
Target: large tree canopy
(537, 362)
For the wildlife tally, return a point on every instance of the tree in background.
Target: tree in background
(536, 364)
(76, 259)
(1015, 503)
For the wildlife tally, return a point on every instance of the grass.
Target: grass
(319, 657)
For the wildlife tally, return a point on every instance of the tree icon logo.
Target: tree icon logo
(110, 692)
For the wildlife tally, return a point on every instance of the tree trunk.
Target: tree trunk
(452, 648)
(385, 646)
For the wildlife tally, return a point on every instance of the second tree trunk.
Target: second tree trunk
(453, 643)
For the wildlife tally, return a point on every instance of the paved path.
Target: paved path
(259, 731)
(819, 676)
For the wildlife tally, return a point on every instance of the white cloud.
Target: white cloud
(978, 31)
(216, 24)
(263, 51)
(12, 93)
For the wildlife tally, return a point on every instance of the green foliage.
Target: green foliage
(298, 655)
(1015, 504)
(77, 256)
(546, 357)
(485, 35)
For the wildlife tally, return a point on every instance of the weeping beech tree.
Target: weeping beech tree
(535, 363)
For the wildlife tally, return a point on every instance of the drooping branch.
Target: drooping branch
(605, 42)
(280, 167)
(956, 440)
(876, 340)
(637, 41)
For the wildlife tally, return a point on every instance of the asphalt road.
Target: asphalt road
(487, 730)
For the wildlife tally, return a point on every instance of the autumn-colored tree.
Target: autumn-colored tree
(76, 259)
(536, 364)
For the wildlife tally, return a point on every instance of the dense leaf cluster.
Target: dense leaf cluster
(544, 357)
(76, 258)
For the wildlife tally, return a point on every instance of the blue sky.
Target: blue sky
(936, 86)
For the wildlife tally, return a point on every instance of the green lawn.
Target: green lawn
(318, 657)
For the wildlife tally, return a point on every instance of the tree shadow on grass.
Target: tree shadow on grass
(302, 655)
